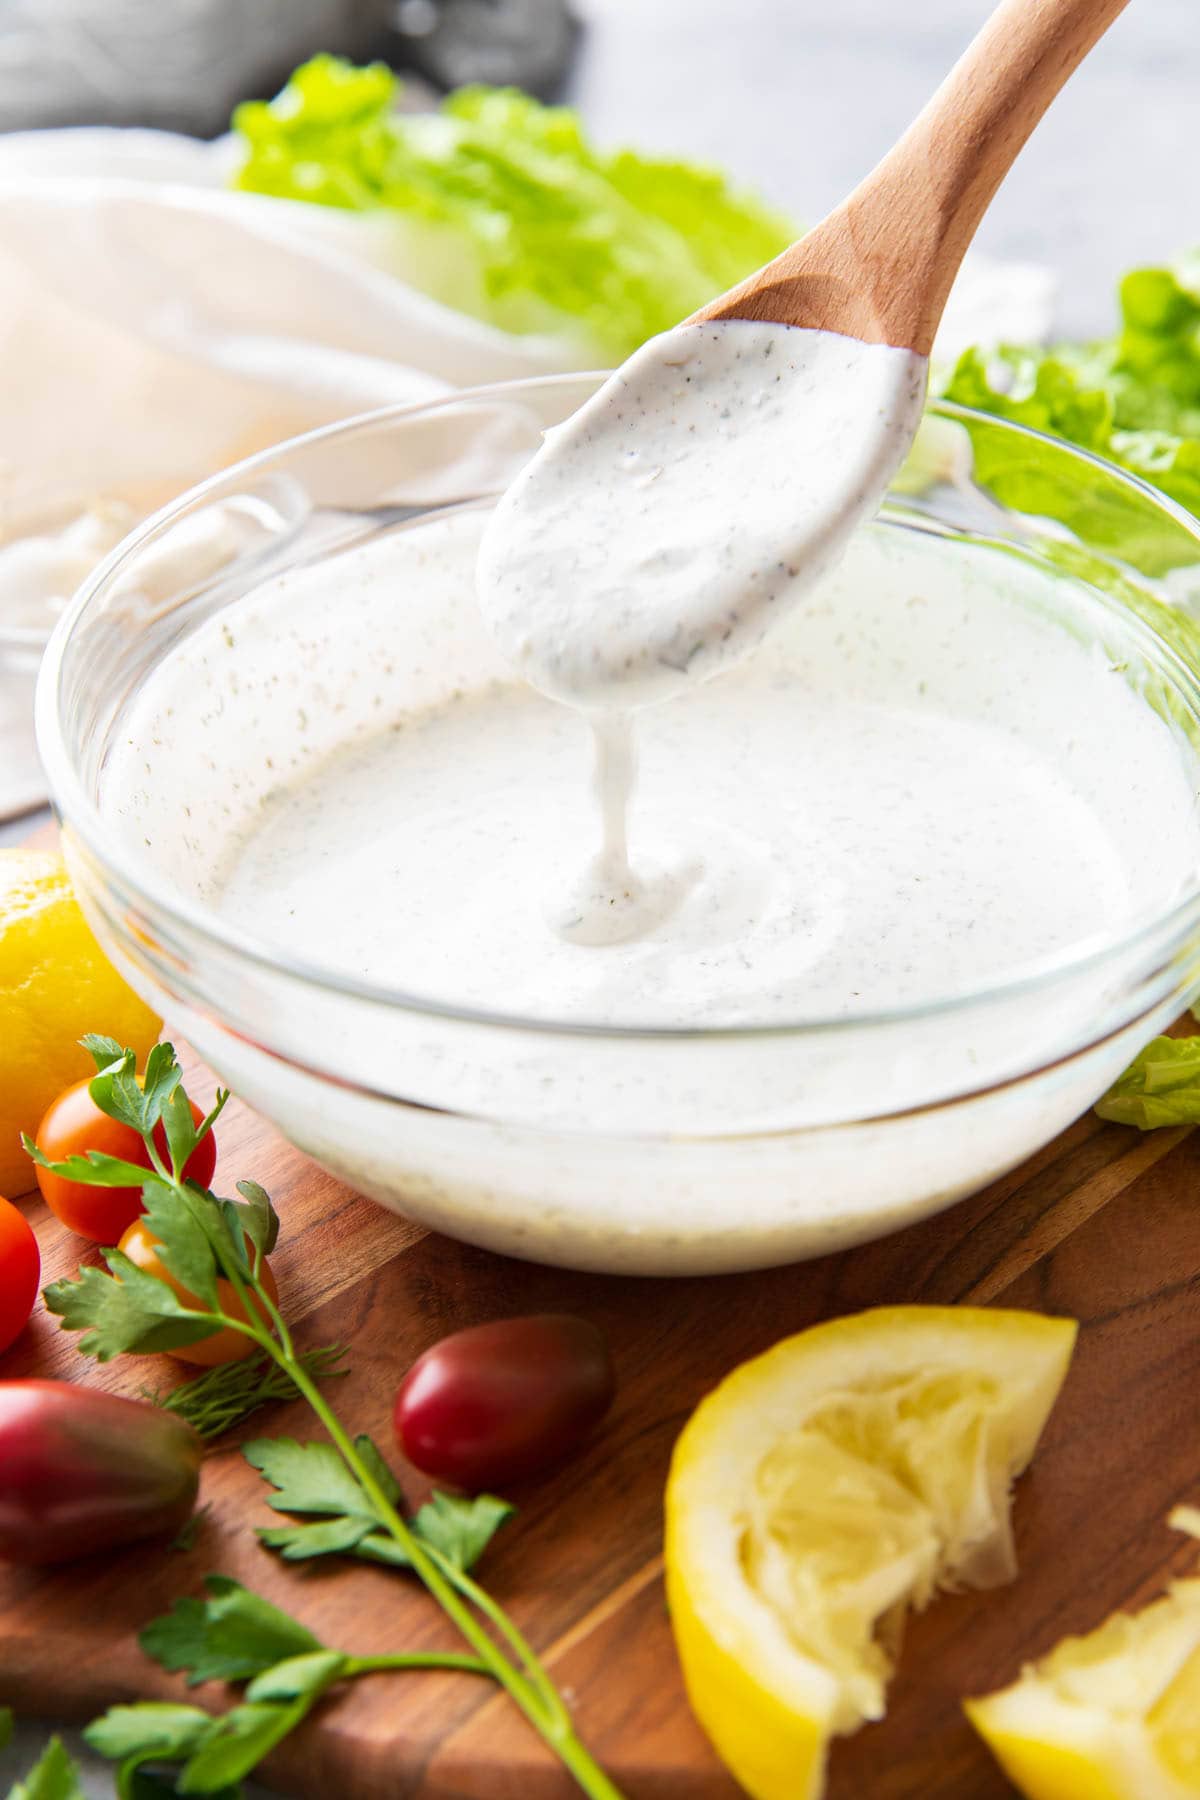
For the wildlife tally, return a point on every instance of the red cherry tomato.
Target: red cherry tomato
(20, 1272)
(73, 1125)
(501, 1402)
(141, 1247)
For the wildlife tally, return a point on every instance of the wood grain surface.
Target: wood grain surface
(1103, 1225)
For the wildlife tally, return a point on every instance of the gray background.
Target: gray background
(801, 97)
(798, 98)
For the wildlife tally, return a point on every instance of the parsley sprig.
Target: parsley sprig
(343, 1487)
(234, 1635)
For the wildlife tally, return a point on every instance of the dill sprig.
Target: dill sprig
(222, 1398)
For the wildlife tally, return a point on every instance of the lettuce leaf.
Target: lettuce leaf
(506, 210)
(1160, 1087)
(1133, 398)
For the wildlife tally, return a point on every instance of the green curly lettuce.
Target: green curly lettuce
(1160, 1087)
(1133, 398)
(507, 211)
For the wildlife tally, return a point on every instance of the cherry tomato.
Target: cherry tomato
(504, 1401)
(141, 1247)
(20, 1272)
(73, 1125)
(81, 1471)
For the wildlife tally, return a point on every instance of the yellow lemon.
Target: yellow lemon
(1111, 1716)
(821, 1491)
(55, 984)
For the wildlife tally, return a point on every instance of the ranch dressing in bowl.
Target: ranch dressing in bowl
(923, 788)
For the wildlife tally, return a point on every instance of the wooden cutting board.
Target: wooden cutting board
(1103, 1225)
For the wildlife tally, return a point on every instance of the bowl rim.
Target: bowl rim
(82, 817)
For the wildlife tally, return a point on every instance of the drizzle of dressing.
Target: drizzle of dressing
(659, 533)
(609, 901)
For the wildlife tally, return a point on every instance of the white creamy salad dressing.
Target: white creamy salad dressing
(662, 529)
(923, 787)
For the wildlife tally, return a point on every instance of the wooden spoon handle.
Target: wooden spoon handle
(880, 267)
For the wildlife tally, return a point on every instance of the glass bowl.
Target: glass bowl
(599, 1147)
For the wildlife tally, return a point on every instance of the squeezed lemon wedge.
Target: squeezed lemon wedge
(1114, 1715)
(821, 1491)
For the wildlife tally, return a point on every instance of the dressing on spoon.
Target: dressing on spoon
(654, 537)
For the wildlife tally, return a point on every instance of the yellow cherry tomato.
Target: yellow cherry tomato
(141, 1247)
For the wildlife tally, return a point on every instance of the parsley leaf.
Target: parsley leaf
(117, 1091)
(462, 1528)
(184, 1243)
(104, 1051)
(151, 1728)
(180, 1129)
(242, 1738)
(125, 1311)
(232, 1635)
(371, 1455)
(313, 1479)
(260, 1221)
(162, 1076)
(131, 1311)
(310, 1478)
(53, 1777)
(93, 1170)
(298, 1675)
(328, 1537)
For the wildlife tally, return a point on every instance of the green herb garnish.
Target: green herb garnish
(342, 1488)
(310, 1479)
(234, 1635)
(224, 1397)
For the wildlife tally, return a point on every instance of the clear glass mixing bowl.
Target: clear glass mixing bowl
(637, 1153)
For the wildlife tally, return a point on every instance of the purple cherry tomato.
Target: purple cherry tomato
(82, 1471)
(502, 1402)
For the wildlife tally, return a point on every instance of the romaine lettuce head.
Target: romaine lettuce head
(503, 209)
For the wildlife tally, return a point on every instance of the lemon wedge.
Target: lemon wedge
(824, 1489)
(1111, 1716)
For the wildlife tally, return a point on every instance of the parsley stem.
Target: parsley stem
(416, 1659)
(527, 1690)
(526, 1680)
(277, 1319)
(479, 1598)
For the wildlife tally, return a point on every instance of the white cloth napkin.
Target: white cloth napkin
(155, 326)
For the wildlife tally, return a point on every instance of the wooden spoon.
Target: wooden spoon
(880, 266)
(660, 533)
